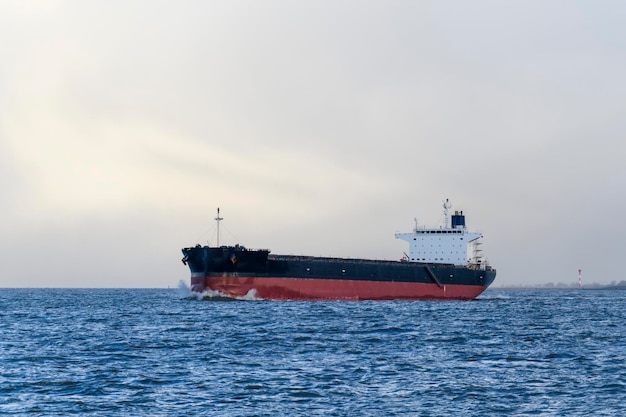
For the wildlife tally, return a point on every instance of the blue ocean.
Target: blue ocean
(164, 352)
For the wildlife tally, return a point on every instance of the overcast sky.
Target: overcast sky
(318, 127)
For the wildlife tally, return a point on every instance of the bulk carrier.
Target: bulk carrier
(443, 263)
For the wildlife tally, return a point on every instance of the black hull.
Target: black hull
(237, 262)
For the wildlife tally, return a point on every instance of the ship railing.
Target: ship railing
(480, 264)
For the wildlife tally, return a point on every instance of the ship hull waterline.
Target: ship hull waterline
(301, 289)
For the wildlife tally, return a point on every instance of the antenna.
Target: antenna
(218, 219)
(446, 206)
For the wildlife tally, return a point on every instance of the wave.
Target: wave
(484, 297)
(209, 295)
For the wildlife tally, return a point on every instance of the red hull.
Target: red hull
(269, 288)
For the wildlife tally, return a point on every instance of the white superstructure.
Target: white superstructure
(444, 245)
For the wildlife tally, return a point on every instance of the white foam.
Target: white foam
(214, 295)
(185, 292)
(250, 296)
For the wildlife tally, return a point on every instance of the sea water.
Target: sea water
(110, 352)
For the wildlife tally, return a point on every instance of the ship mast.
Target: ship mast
(218, 219)
(446, 206)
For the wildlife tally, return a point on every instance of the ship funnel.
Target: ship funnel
(458, 220)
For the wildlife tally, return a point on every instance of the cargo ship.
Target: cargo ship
(443, 263)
